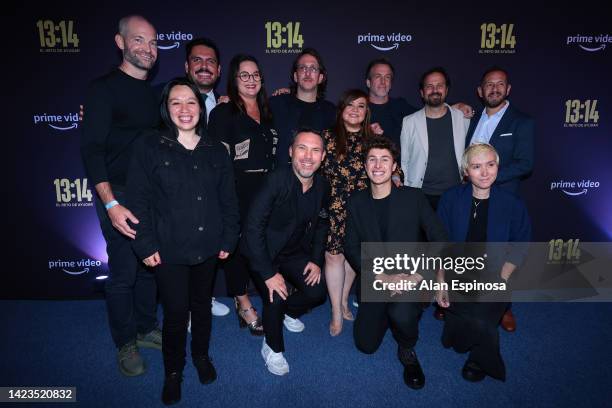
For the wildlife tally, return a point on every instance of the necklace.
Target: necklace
(476, 204)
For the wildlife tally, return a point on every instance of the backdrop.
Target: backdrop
(559, 60)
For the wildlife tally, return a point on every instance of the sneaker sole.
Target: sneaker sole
(293, 330)
(132, 373)
(148, 344)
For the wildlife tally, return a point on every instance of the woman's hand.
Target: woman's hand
(153, 260)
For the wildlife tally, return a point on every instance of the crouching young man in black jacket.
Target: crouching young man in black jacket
(385, 213)
(284, 238)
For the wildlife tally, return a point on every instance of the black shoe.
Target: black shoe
(206, 371)
(171, 394)
(413, 373)
(472, 372)
(439, 313)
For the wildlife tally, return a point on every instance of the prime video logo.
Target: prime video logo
(574, 188)
(58, 122)
(174, 39)
(384, 42)
(78, 267)
(591, 43)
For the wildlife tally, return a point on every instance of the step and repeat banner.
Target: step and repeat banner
(559, 60)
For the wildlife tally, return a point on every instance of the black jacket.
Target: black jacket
(184, 199)
(409, 215)
(272, 221)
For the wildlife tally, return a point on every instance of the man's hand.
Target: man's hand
(223, 255)
(119, 216)
(313, 272)
(442, 298)
(467, 110)
(277, 284)
(281, 91)
(223, 99)
(376, 128)
(153, 260)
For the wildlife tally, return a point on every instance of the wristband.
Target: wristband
(111, 204)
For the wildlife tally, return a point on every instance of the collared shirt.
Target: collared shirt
(210, 103)
(487, 124)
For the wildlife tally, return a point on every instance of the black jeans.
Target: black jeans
(185, 288)
(131, 293)
(373, 319)
(299, 302)
(237, 275)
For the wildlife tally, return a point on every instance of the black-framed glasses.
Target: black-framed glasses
(245, 76)
(308, 69)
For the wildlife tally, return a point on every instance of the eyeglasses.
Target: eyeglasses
(245, 76)
(308, 69)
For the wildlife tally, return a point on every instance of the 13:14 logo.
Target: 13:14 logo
(279, 35)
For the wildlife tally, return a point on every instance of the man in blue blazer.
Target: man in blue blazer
(504, 127)
(510, 132)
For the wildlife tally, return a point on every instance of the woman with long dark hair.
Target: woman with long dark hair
(181, 189)
(244, 125)
(345, 170)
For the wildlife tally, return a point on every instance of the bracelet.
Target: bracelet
(111, 204)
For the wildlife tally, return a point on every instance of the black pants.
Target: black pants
(185, 288)
(131, 293)
(373, 319)
(237, 274)
(299, 302)
(433, 200)
(472, 327)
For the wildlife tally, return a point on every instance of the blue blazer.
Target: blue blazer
(513, 139)
(507, 221)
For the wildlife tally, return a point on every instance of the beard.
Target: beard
(207, 83)
(133, 59)
(493, 100)
(434, 100)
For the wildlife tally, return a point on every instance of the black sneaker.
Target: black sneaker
(413, 373)
(129, 360)
(206, 371)
(472, 372)
(171, 394)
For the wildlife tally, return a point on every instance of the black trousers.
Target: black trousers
(299, 302)
(185, 288)
(237, 274)
(373, 320)
(131, 293)
(472, 327)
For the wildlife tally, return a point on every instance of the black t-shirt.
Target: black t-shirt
(306, 207)
(118, 110)
(390, 116)
(441, 172)
(381, 208)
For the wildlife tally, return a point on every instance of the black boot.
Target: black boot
(171, 394)
(206, 371)
(472, 372)
(413, 373)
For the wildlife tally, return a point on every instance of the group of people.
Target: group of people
(282, 191)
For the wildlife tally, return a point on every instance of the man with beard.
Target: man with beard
(511, 132)
(433, 139)
(304, 104)
(121, 107)
(284, 239)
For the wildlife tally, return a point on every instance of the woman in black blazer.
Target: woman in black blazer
(181, 189)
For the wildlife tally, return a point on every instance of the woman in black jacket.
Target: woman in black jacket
(244, 125)
(181, 189)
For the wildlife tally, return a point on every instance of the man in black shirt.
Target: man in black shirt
(284, 239)
(304, 106)
(121, 107)
(385, 213)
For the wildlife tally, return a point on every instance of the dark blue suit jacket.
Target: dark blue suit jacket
(507, 221)
(513, 139)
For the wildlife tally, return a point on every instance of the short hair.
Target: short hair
(476, 148)
(381, 142)
(322, 87)
(124, 21)
(305, 129)
(495, 68)
(165, 113)
(435, 70)
(378, 61)
(207, 42)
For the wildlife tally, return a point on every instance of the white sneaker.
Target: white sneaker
(219, 309)
(189, 324)
(355, 304)
(293, 325)
(275, 362)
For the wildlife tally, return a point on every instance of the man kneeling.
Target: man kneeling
(386, 213)
(284, 240)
